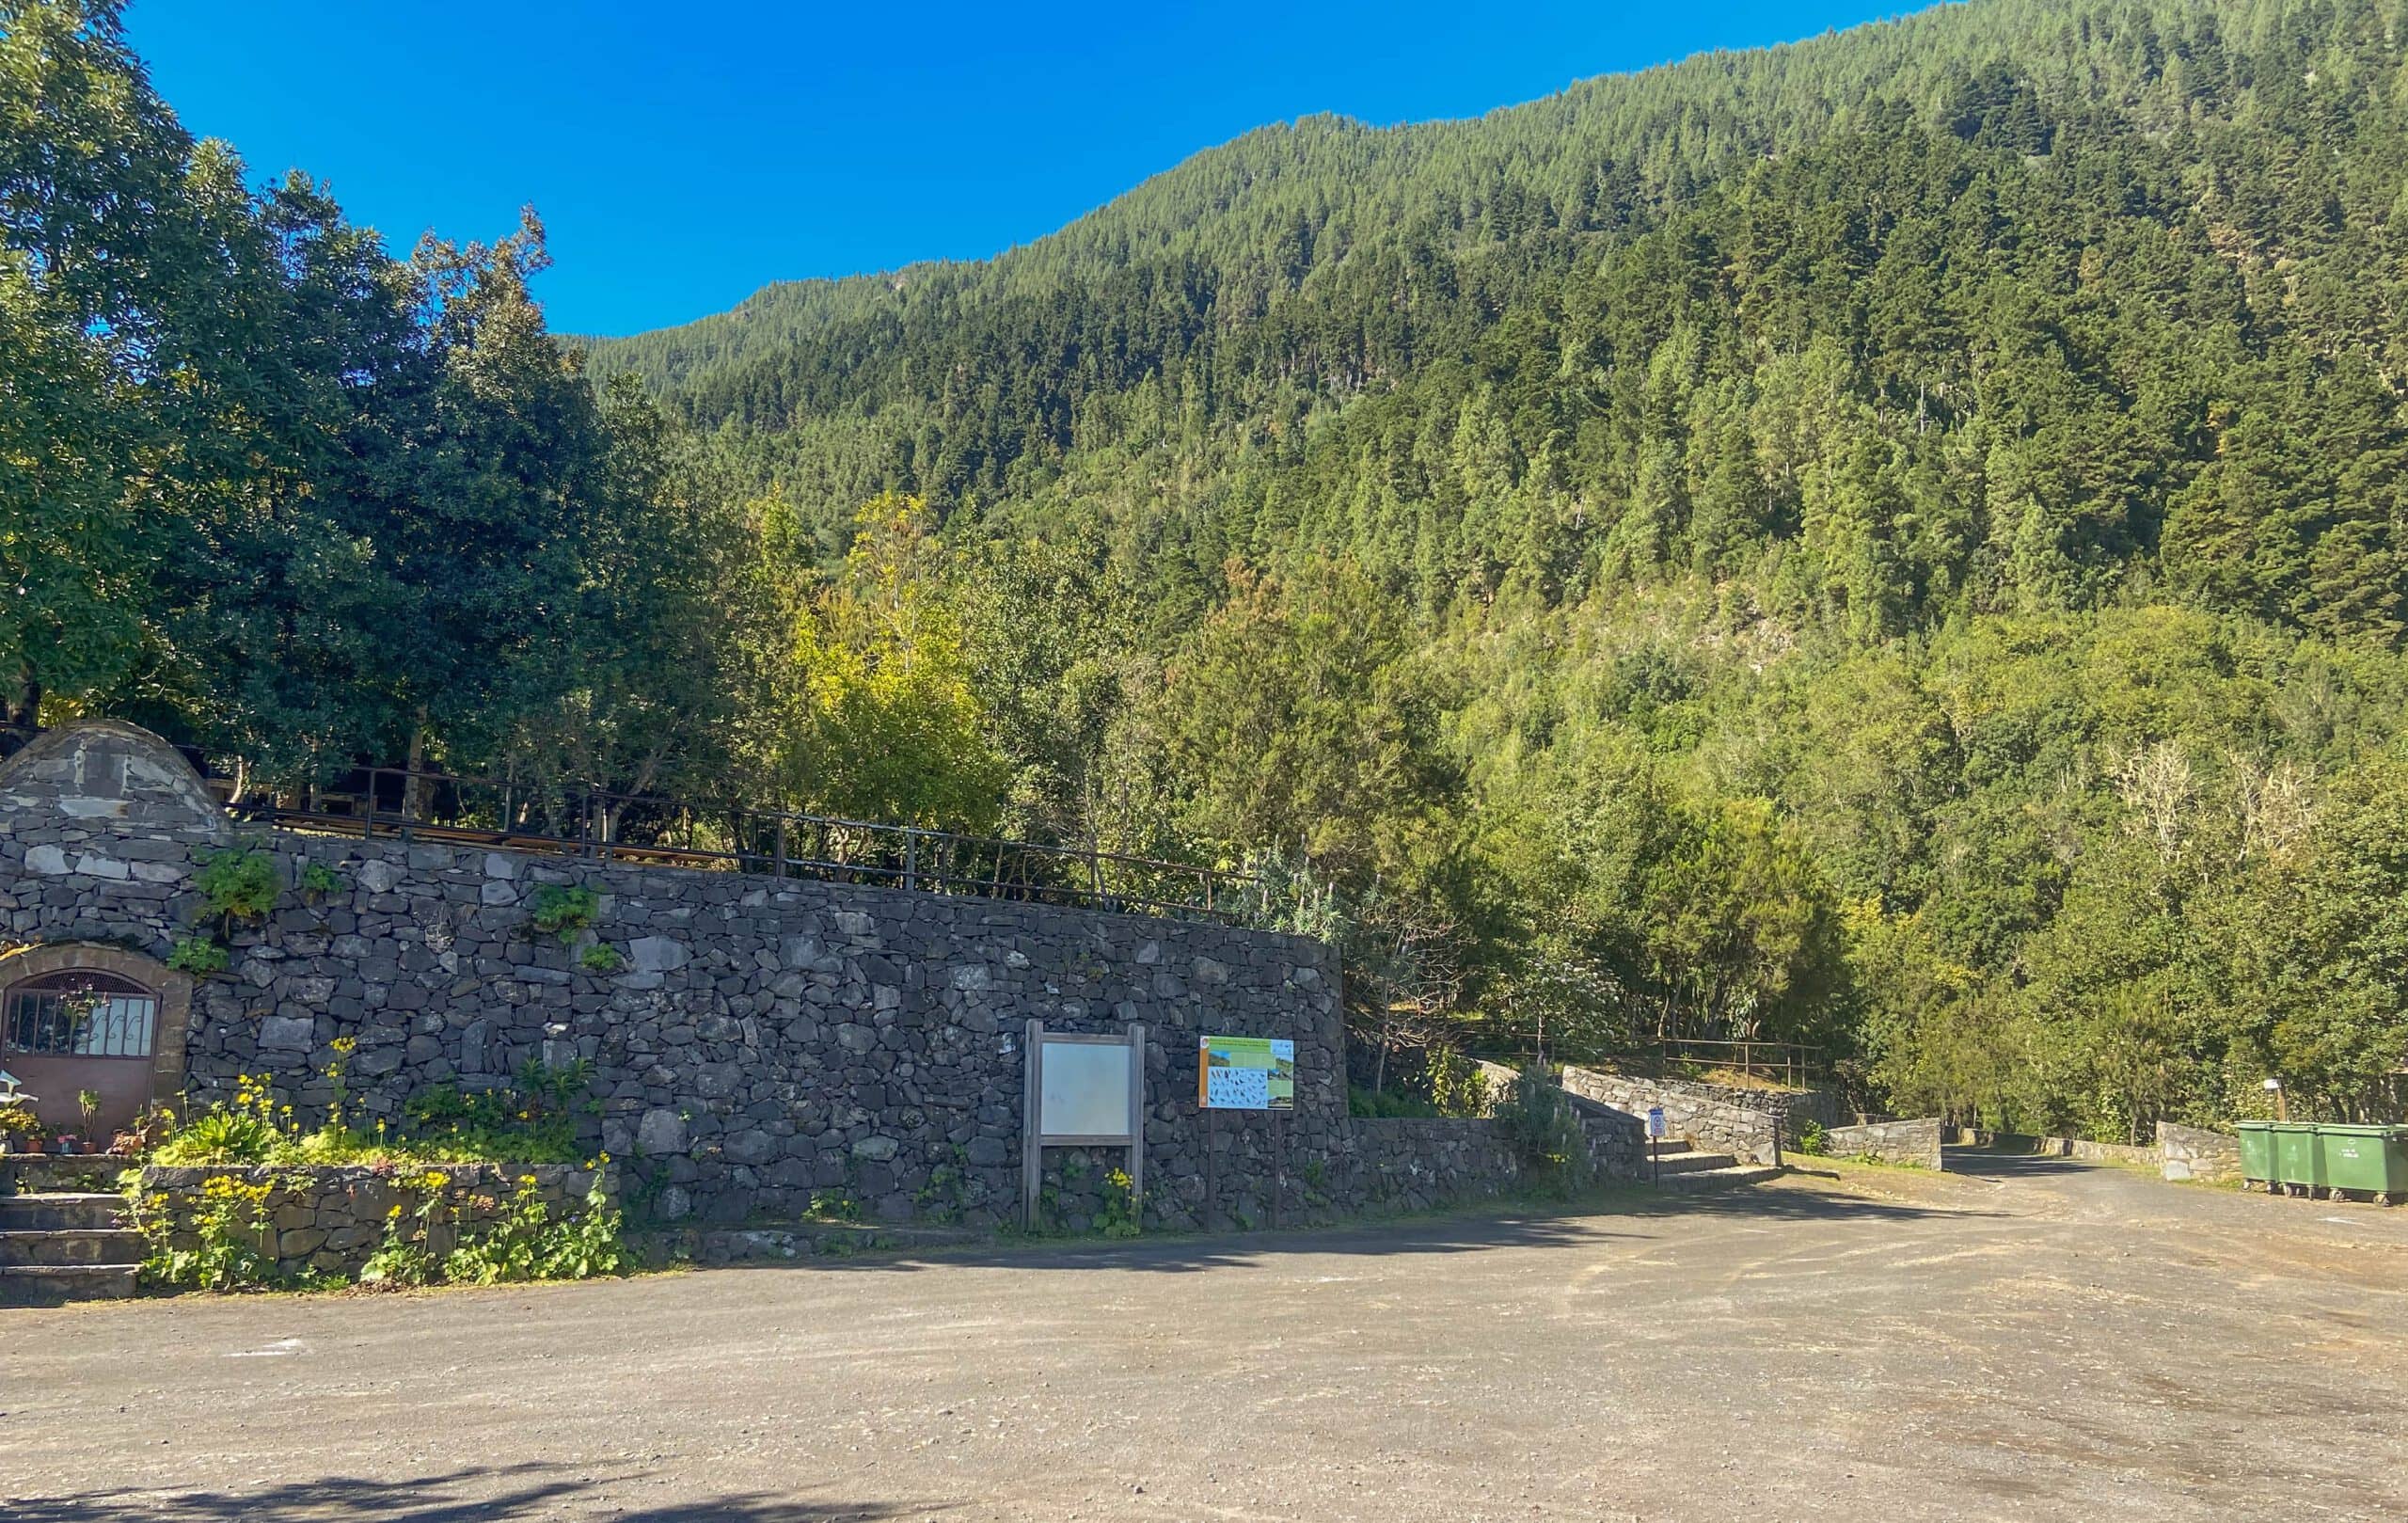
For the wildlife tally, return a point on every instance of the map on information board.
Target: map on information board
(1245, 1074)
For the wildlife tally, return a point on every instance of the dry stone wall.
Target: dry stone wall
(2190, 1153)
(328, 1220)
(764, 1047)
(1711, 1116)
(1915, 1143)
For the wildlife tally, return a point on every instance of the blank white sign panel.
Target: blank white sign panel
(1085, 1089)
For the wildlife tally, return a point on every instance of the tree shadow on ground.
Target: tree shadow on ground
(1609, 1215)
(1994, 1166)
(494, 1494)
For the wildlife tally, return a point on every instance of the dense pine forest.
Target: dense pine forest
(1892, 542)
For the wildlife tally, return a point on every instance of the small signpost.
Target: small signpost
(1245, 1074)
(1656, 1132)
(1081, 1091)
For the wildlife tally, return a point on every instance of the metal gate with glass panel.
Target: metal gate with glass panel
(65, 1035)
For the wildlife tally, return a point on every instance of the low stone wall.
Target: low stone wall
(1915, 1143)
(2085, 1149)
(1710, 1115)
(329, 1220)
(2190, 1153)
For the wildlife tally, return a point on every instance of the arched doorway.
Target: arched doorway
(80, 1018)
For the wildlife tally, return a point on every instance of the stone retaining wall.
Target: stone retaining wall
(763, 1046)
(2189, 1152)
(1710, 1115)
(328, 1220)
(1915, 1143)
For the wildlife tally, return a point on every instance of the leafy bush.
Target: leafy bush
(601, 957)
(1121, 1211)
(1456, 1085)
(1543, 1130)
(238, 884)
(244, 1129)
(231, 1226)
(1385, 1103)
(197, 956)
(563, 912)
(1812, 1140)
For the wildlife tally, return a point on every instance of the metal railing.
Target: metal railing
(604, 825)
(1795, 1064)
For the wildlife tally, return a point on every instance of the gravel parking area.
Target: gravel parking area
(2025, 1339)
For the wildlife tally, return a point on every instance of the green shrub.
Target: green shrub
(238, 884)
(1456, 1085)
(198, 955)
(230, 1228)
(1543, 1130)
(1385, 1103)
(601, 957)
(563, 912)
(1812, 1140)
(529, 1243)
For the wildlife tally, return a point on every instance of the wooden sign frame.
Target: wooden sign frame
(1034, 1139)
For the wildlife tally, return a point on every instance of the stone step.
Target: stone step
(52, 1174)
(20, 1249)
(1689, 1161)
(62, 1212)
(1722, 1178)
(50, 1285)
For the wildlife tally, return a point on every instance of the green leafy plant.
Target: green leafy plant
(198, 955)
(1457, 1086)
(225, 1243)
(237, 883)
(1812, 1140)
(564, 910)
(405, 1255)
(601, 957)
(318, 880)
(836, 1206)
(1539, 1123)
(17, 1122)
(1385, 1103)
(1121, 1211)
(528, 1242)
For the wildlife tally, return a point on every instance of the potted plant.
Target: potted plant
(87, 1101)
(18, 1131)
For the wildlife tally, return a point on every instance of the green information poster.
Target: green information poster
(1245, 1074)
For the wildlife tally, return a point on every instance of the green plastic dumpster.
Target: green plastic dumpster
(2299, 1163)
(2257, 1152)
(2367, 1160)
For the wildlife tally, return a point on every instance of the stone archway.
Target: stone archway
(133, 1057)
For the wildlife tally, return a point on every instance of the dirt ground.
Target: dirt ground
(2028, 1338)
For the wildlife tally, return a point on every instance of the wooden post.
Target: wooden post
(1212, 1163)
(1138, 1125)
(782, 846)
(1032, 1153)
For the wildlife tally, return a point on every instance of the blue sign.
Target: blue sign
(1656, 1121)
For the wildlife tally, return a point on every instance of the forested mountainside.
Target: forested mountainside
(1892, 541)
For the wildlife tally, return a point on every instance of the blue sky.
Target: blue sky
(683, 156)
